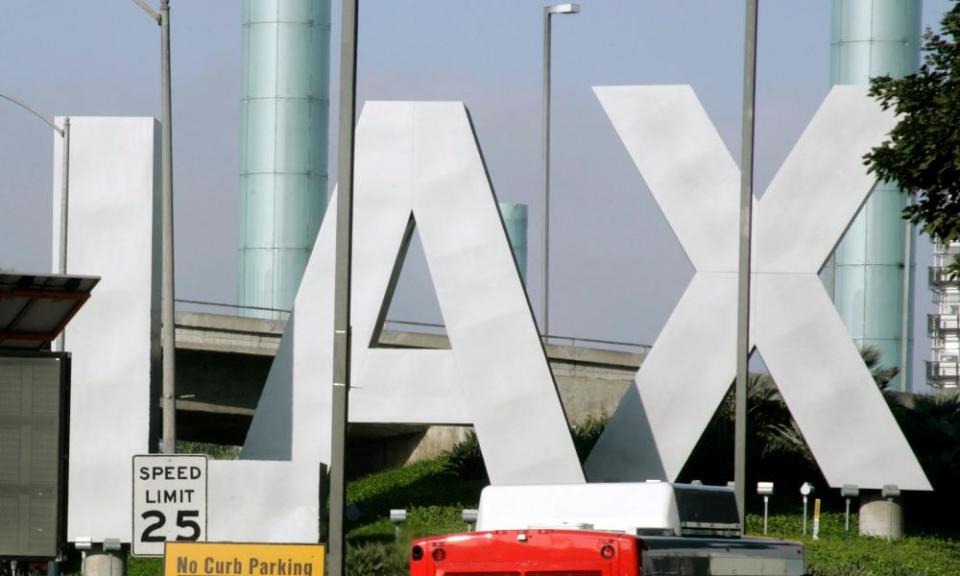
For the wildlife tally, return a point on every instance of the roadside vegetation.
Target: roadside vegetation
(435, 492)
(424, 489)
(835, 555)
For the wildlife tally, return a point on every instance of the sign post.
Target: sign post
(169, 501)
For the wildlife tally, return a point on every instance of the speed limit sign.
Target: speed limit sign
(169, 501)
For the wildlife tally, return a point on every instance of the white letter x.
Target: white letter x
(806, 347)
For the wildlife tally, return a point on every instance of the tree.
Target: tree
(923, 152)
(882, 375)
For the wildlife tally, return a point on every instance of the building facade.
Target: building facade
(943, 369)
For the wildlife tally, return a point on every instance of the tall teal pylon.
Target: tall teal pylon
(283, 156)
(866, 274)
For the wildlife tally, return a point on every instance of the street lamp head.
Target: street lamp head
(563, 9)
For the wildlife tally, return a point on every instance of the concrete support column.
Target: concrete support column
(879, 516)
(100, 563)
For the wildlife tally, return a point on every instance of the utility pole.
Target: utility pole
(64, 206)
(548, 13)
(341, 315)
(547, 33)
(743, 294)
(167, 331)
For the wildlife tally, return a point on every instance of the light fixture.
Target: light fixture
(890, 491)
(848, 491)
(398, 517)
(805, 490)
(469, 516)
(765, 489)
(111, 544)
(568, 8)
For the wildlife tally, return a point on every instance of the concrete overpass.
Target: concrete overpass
(223, 361)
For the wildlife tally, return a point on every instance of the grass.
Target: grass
(835, 555)
(144, 566)
(434, 498)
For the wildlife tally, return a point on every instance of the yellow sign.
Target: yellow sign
(205, 559)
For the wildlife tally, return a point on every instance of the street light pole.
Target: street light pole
(548, 12)
(64, 200)
(167, 330)
(743, 296)
(341, 294)
(64, 212)
(168, 336)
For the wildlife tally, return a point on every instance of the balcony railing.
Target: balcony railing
(940, 278)
(940, 325)
(950, 248)
(945, 298)
(943, 375)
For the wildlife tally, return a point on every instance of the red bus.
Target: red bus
(549, 552)
(624, 529)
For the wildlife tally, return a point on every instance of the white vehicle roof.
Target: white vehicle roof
(659, 508)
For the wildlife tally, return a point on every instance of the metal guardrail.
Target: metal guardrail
(440, 330)
(411, 326)
(233, 306)
(433, 328)
(596, 343)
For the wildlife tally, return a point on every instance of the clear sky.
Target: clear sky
(616, 268)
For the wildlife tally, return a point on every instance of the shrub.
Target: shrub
(465, 461)
(375, 559)
(586, 434)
